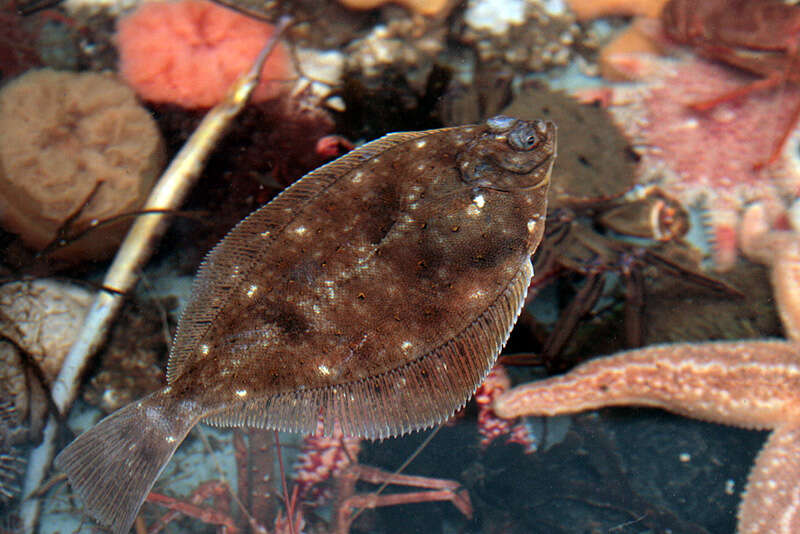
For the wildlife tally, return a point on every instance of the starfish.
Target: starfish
(780, 250)
(751, 384)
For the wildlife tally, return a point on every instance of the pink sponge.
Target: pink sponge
(189, 52)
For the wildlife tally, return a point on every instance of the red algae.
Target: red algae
(189, 52)
(490, 425)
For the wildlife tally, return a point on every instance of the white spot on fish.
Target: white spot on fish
(300, 230)
(477, 294)
(531, 226)
(252, 291)
(241, 392)
(323, 370)
(479, 201)
(204, 348)
(421, 143)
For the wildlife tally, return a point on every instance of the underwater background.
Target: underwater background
(672, 221)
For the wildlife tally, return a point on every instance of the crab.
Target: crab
(634, 237)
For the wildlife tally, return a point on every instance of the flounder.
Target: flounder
(375, 292)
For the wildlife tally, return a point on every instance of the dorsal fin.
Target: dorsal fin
(230, 263)
(418, 395)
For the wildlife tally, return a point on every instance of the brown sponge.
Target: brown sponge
(66, 138)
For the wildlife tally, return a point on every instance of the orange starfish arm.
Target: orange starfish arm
(772, 498)
(752, 384)
(779, 249)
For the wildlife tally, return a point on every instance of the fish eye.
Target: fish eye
(524, 139)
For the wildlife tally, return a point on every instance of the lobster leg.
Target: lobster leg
(744, 90)
(758, 85)
(782, 67)
(776, 150)
(794, 62)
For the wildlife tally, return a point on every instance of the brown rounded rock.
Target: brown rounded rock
(74, 147)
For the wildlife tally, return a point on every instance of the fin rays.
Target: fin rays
(114, 465)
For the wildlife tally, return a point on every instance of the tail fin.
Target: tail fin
(114, 464)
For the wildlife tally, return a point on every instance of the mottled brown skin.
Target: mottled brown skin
(381, 262)
(377, 292)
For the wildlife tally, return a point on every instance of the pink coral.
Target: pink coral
(706, 158)
(190, 52)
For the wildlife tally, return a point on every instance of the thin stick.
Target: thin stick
(136, 249)
(289, 507)
(133, 254)
(221, 473)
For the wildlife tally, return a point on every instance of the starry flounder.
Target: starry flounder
(375, 292)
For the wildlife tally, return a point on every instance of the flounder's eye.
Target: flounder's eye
(526, 137)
